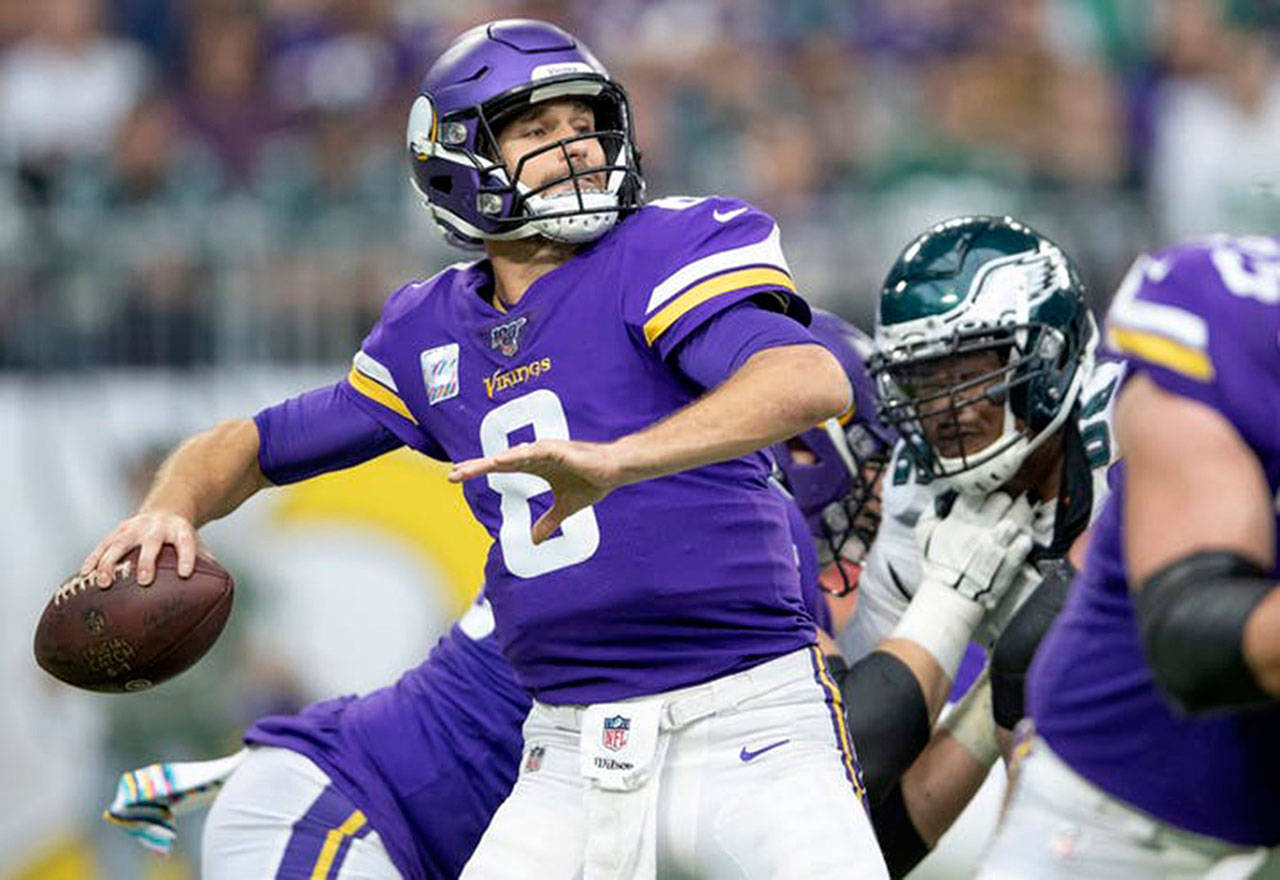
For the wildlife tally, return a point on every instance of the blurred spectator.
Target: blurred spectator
(224, 102)
(256, 206)
(1217, 136)
(64, 90)
(344, 56)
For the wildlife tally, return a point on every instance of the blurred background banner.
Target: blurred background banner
(342, 583)
(203, 204)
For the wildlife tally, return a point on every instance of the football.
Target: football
(127, 637)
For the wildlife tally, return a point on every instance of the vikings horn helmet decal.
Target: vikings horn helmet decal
(489, 74)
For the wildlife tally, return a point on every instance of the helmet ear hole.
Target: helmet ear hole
(441, 183)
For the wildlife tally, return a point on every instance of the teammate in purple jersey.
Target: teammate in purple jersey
(653, 610)
(1156, 696)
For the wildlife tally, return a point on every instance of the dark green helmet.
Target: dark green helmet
(974, 284)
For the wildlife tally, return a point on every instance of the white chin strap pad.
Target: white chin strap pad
(574, 229)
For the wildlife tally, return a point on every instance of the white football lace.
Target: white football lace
(79, 583)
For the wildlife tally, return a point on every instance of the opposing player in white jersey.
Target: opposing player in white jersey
(985, 367)
(1155, 699)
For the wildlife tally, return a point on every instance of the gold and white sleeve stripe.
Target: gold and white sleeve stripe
(1158, 333)
(375, 382)
(753, 265)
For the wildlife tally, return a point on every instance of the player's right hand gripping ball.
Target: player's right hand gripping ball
(126, 637)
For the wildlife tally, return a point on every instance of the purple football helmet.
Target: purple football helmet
(487, 76)
(833, 471)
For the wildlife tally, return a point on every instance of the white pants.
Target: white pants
(1059, 826)
(754, 777)
(279, 816)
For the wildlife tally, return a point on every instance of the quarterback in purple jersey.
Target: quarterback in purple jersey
(1155, 698)
(422, 765)
(603, 380)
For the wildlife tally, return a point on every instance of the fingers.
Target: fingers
(550, 521)
(110, 556)
(149, 533)
(149, 549)
(470, 469)
(517, 458)
(91, 561)
(185, 543)
(1021, 511)
(995, 505)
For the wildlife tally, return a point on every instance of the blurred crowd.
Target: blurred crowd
(186, 182)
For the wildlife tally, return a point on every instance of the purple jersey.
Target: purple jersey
(1201, 321)
(430, 758)
(665, 583)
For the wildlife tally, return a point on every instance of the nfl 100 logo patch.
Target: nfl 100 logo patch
(440, 372)
(506, 337)
(614, 736)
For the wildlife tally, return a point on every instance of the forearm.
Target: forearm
(1262, 643)
(208, 475)
(940, 785)
(776, 394)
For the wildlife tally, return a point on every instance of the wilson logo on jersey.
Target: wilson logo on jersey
(501, 380)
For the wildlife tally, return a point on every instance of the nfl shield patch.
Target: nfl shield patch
(506, 337)
(440, 372)
(615, 732)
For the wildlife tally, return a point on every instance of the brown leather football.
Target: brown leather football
(127, 637)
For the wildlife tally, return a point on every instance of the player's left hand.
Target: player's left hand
(580, 474)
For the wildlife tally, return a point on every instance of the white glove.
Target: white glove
(970, 557)
(1025, 582)
(978, 547)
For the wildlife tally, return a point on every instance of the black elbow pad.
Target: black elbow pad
(1192, 615)
(887, 715)
(1017, 645)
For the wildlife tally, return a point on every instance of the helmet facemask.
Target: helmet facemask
(938, 419)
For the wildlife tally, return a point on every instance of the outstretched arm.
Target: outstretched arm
(777, 393)
(214, 472)
(206, 477)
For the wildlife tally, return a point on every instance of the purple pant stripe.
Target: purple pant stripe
(327, 812)
(835, 706)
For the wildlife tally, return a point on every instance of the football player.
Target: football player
(603, 379)
(986, 369)
(404, 780)
(1155, 700)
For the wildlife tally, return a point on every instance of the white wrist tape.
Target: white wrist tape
(971, 723)
(942, 622)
